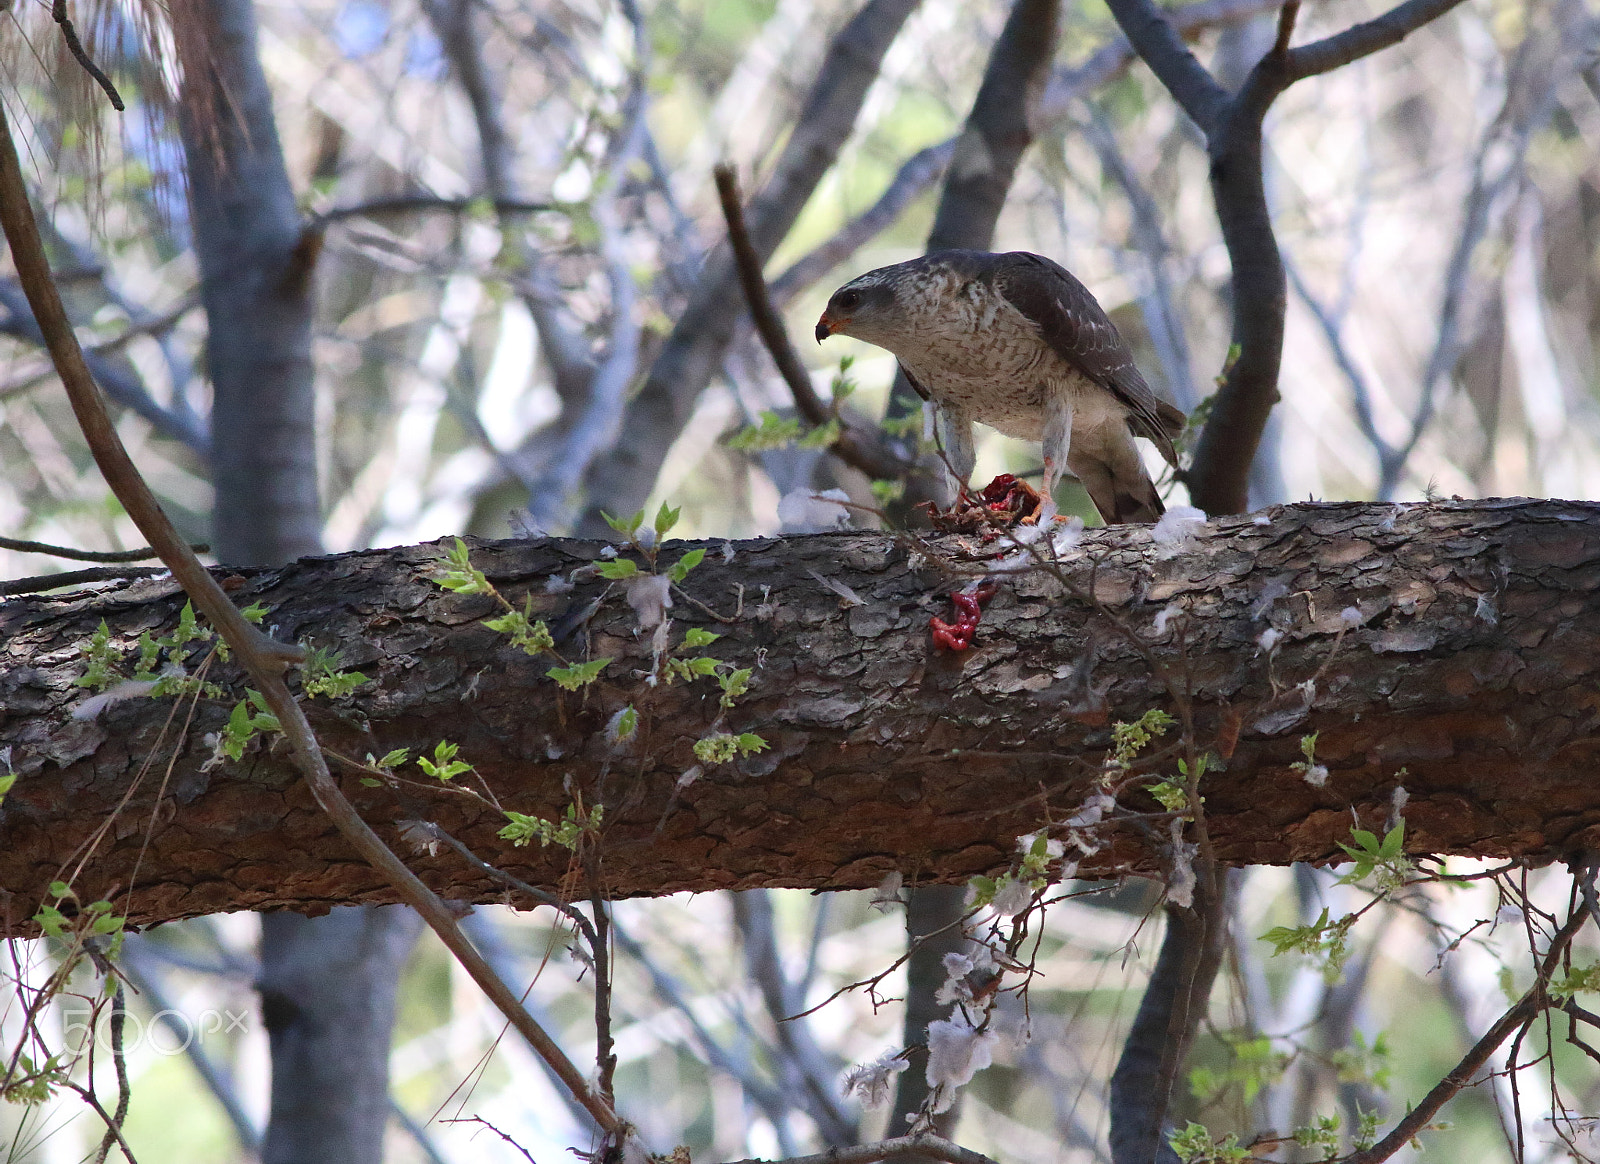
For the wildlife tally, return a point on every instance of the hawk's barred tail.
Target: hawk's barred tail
(1142, 504)
(1108, 463)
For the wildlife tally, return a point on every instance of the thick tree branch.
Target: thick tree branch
(1472, 669)
(1153, 37)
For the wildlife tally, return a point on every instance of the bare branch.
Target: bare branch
(1366, 38)
(413, 203)
(1533, 78)
(116, 381)
(1070, 84)
(139, 555)
(808, 1068)
(920, 171)
(1154, 38)
(1519, 1016)
(58, 11)
(855, 447)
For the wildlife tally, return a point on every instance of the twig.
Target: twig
(853, 446)
(119, 1019)
(112, 1129)
(58, 11)
(125, 388)
(510, 881)
(264, 659)
(480, 1120)
(139, 555)
(605, 1055)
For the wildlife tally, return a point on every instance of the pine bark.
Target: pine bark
(1470, 681)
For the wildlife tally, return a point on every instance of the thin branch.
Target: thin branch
(925, 1145)
(264, 659)
(157, 325)
(1333, 334)
(1366, 38)
(410, 203)
(119, 1060)
(807, 1066)
(137, 954)
(58, 12)
(140, 555)
(111, 1127)
(122, 387)
(1160, 303)
(603, 412)
(854, 446)
(510, 881)
(915, 176)
(1497, 165)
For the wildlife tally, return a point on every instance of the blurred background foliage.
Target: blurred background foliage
(1437, 207)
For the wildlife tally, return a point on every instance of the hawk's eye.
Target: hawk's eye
(849, 300)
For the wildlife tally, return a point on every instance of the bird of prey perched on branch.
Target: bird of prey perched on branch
(1014, 341)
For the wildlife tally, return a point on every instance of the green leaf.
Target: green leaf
(628, 526)
(579, 675)
(460, 575)
(1574, 980)
(823, 436)
(733, 684)
(679, 570)
(774, 432)
(666, 518)
(531, 635)
(886, 492)
(1393, 843)
(699, 637)
(444, 766)
(617, 569)
(255, 612)
(627, 723)
(1129, 739)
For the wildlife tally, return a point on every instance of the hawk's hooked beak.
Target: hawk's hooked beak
(824, 327)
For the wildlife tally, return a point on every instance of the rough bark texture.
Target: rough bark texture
(1474, 670)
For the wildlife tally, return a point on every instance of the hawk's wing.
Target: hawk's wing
(1074, 324)
(916, 385)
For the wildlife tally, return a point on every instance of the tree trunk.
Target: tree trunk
(327, 984)
(1469, 680)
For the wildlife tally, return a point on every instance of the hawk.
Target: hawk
(1014, 341)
